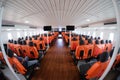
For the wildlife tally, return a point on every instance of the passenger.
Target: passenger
(25, 61)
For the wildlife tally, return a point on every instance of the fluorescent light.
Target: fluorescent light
(87, 19)
(26, 21)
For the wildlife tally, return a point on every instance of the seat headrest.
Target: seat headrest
(10, 53)
(31, 43)
(20, 42)
(104, 57)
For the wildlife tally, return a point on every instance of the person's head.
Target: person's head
(80, 37)
(97, 42)
(89, 41)
(23, 42)
(15, 42)
(110, 41)
(91, 37)
(9, 41)
(99, 38)
(30, 38)
(35, 37)
(102, 41)
(95, 38)
(81, 42)
(106, 41)
(86, 38)
(10, 53)
(74, 38)
(104, 57)
(26, 38)
(31, 43)
(41, 38)
(20, 42)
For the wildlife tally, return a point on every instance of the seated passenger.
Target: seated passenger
(95, 69)
(24, 61)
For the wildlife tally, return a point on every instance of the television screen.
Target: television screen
(47, 28)
(70, 27)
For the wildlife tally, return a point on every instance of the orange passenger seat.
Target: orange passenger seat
(33, 53)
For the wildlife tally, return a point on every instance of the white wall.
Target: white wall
(22, 31)
(97, 29)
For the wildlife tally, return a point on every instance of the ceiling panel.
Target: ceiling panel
(58, 12)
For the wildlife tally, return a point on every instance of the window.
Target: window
(111, 36)
(88, 33)
(101, 35)
(94, 34)
(18, 34)
(30, 33)
(84, 33)
(9, 36)
(25, 33)
(34, 33)
(60, 29)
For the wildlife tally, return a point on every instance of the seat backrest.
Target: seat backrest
(15, 63)
(74, 44)
(117, 60)
(97, 50)
(79, 52)
(25, 50)
(33, 52)
(88, 50)
(41, 47)
(1, 56)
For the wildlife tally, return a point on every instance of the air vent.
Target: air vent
(33, 27)
(8, 25)
(109, 23)
(84, 26)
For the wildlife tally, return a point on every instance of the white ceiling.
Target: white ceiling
(58, 12)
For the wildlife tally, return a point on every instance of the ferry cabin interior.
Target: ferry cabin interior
(59, 39)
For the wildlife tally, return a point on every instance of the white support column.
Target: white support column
(116, 8)
(2, 47)
(70, 38)
(47, 41)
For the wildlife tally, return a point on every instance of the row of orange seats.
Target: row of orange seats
(86, 47)
(29, 47)
(51, 37)
(91, 50)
